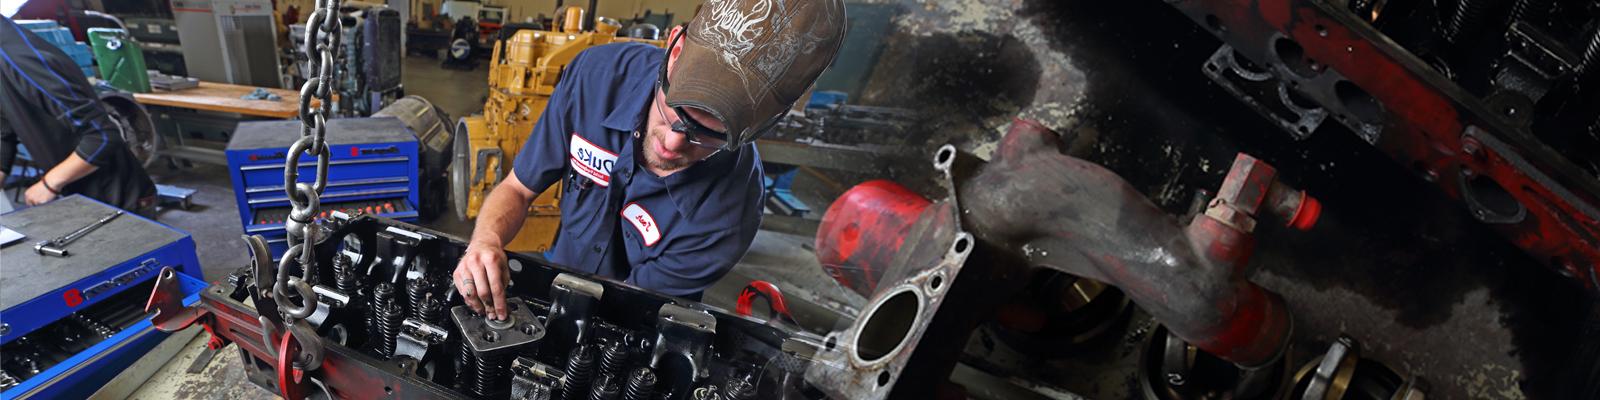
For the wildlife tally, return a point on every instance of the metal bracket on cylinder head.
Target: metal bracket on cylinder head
(483, 338)
(683, 343)
(573, 301)
(534, 380)
(396, 249)
(416, 337)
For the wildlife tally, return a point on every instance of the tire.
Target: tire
(137, 129)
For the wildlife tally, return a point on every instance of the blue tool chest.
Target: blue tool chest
(373, 170)
(70, 324)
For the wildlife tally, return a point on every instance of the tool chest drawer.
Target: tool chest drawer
(372, 168)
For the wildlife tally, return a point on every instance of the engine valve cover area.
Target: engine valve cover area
(486, 335)
(627, 338)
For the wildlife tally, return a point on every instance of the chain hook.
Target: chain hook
(293, 295)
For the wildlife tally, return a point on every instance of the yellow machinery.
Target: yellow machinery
(522, 73)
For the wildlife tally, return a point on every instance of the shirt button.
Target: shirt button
(596, 249)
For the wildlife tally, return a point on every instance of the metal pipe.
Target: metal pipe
(594, 15)
(1075, 216)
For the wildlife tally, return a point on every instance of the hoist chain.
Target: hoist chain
(292, 295)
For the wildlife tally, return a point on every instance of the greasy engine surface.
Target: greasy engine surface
(386, 293)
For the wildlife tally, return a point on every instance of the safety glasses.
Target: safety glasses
(697, 134)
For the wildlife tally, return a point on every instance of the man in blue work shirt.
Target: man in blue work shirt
(656, 150)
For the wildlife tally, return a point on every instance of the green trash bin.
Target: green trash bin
(120, 60)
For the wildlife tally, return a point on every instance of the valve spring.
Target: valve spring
(389, 320)
(707, 392)
(739, 389)
(489, 370)
(345, 277)
(1467, 17)
(382, 295)
(466, 369)
(418, 290)
(1590, 66)
(389, 316)
(605, 388)
(641, 385)
(431, 311)
(580, 371)
(1532, 11)
(613, 360)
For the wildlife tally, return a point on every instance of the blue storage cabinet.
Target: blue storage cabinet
(62, 38)
(97, 293)
(373, 170)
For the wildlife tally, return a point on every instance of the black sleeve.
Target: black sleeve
(8, 146)
(98, 135)
(47, 85)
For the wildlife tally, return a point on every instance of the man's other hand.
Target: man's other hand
(481, 279)
(38, 194)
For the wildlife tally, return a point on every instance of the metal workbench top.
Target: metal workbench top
(25, 275)
(280, 134)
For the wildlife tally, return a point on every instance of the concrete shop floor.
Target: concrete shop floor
(214, 222)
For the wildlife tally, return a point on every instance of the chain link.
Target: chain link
(322, 44)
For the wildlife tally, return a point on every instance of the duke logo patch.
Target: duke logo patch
(641, 220)
(593, 162)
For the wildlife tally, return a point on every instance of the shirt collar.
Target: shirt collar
(634, 94)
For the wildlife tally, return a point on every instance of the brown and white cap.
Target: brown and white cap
(747, 61)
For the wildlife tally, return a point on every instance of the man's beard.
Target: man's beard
(652, 139)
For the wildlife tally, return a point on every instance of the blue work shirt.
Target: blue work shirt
(675, 234)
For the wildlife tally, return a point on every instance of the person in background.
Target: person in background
(48, 105)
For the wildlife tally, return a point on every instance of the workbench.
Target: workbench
(197, 122)
(223, 97)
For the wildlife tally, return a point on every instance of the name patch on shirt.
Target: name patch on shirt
(593, 162)
(641, 220)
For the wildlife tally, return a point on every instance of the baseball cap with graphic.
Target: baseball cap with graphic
(747, 61)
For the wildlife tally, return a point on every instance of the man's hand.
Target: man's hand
(481, 279)
(38, 194)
